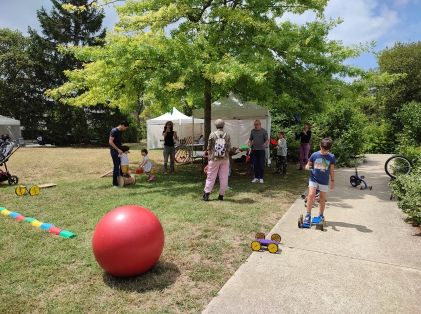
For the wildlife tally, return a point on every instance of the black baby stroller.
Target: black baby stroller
(7, 149)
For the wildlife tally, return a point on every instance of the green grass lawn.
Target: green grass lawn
(204, 242)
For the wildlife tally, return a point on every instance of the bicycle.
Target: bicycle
(398, 165)
(182, 154)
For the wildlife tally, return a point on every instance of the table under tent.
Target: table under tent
(239, 117)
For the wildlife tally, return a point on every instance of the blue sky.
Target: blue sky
(385, 22)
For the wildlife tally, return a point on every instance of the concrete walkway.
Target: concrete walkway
(367, 261)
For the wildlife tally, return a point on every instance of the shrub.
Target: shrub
(410, 117)
(344, 124)
(407, 189)
(378, 137)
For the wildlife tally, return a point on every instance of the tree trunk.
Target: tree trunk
(136, 114)
(208, 110)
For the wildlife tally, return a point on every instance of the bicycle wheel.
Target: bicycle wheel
(354, 181)
(182, 155)
(397, 165)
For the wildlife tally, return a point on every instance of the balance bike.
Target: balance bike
(357, 180)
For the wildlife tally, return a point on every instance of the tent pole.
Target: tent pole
(193, 137)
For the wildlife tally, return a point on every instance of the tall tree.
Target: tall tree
(19, 95)
(199, 50)
(63, 28)
(403, 60)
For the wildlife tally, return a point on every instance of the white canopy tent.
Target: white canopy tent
(239, 117)
(183, 125)
(11, 127)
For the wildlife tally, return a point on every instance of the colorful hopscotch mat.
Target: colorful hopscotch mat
(38, 224)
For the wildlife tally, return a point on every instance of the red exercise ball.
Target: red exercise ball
(128, 241)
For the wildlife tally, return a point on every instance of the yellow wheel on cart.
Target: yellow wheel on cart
(260, 235)
(34, 190)
(276, 237)
(21, 190)
(255, 246)
(273, 248)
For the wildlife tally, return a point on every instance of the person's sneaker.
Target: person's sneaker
(307, 219)
(206, 196)
(255, 180)
(261, 181)
(316, 220)
(220, 197)
(116, 187)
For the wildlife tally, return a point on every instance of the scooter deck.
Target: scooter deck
(315, 221)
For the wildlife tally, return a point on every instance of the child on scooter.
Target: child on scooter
(322, 171)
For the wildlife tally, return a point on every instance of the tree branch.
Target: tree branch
(198, 17)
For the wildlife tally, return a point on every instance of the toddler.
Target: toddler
(124, 161)
(146, 164)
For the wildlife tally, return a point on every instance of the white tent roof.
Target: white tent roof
(8, 121)
(175, 116)
(233, 108)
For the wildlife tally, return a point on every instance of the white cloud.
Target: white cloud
(363, 20)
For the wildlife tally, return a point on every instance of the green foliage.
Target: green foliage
(402, 109)
(407, 189)
(29, 66)
(405, 60)
(63, 124)
(378, 135)
(19, 96)
(195, 51)
(410, 117)
(344, 124)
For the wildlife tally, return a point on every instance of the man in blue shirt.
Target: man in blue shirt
(322, 169)
(115, 142)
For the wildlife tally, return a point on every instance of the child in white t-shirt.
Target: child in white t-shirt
(146, 164)
(124, 161)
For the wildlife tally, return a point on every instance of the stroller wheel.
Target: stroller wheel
(13, 180)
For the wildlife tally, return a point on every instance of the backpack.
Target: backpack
(220, 149)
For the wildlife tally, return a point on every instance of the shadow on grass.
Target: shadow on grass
(240, 201)
(161, 276)
(188, 181)
(335, 224)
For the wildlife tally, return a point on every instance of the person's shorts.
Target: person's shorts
(320, 187)
(125, 169)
